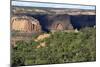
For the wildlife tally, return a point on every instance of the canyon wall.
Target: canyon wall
(25, 24)
(31, 24)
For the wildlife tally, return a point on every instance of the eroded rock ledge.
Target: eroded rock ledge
(25, 24)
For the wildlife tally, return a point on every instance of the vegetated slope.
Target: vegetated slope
(62, 47)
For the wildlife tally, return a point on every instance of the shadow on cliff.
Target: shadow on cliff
(81, 21)
(77, 21)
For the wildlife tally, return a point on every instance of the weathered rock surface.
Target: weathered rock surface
(25, 24)
(41, 37)
(59, 22)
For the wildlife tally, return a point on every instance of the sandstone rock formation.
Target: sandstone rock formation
(60, 22)
(43, 44)
(25, 24)
(41, 37)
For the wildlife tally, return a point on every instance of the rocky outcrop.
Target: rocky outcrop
(41, 37)
(25, 24)
(59, 22)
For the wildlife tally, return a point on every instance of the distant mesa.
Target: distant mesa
(30, 10)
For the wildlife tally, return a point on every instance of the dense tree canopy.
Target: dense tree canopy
(61, 47)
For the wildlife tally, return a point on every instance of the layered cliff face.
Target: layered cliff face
(51, 19)
(59, 22)
(63, 23)
(30, 24)
(25, 24)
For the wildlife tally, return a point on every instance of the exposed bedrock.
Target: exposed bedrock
(54, 22)
(25, 24)
(59, 22)
(49, 22)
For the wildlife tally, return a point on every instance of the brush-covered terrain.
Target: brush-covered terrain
(57, 47)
